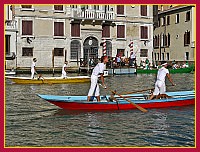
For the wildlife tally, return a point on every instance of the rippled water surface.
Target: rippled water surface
(31, 121)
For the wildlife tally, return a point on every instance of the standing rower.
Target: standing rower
(64, 70)
(98, 70)
(33, 69)
(160, 87)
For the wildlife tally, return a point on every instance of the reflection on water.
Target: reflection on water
(31, 121)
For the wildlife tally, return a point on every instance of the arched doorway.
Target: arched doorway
(75, 52)
(90, 48)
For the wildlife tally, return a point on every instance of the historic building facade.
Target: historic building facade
(10, 38)
(174, 35)
(57, 33)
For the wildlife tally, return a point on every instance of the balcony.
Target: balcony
(10, 25)
(10, 56)
(92, 14)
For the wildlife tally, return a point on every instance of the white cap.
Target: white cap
(164, 64)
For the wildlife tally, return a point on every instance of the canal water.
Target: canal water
(31, 121)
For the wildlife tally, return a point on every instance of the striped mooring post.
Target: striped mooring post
(131, 46)
(104, 47)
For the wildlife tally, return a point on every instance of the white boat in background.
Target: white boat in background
(10, 72)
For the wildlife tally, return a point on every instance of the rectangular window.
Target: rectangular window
(143, 52)
(165, 40)
(158, 56)
(75, 29)
(168, 20)
(26, 6)
(58, 28)
(27, 27)
(143, 10)
(27, 51)
(168, 40)
(158, 22)
(163, 56)
(58, 52)
(144, 32)
(58, 7)
(155, 56)
(167, 56)
(120, 31)
(105, 31)
(187, 38)
(177, 18)
(186, 55)
(7, 45)
(187, 16)
(120, 9)
(164, 21)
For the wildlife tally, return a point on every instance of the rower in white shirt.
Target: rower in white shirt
(160, 87)
(98, 70)
(64, 70)
(33, 69)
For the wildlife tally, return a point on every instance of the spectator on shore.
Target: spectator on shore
(147, 63)
(132, 59)
(118, 60)
(123, 60)
(185, 65)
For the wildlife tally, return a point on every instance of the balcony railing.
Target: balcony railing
(92, 14)
(10, 24)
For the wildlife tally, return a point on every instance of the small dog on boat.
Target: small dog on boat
(159, 96)
(162, 96)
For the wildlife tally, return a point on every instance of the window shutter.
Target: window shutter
(26, 6)
(120, 9)
(106, 31)
(58, 7)
(58, 29)
(144, 32)
(168, 20)
(168, 39)
(75, 29)
(27, 27)
(188, 37)
(120, 31)
(143, 10)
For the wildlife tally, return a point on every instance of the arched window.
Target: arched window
(75, 50)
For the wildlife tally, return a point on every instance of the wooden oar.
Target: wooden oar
(136, 91)
(137, 106)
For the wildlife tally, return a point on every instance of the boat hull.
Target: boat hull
(180, 70)
(49, 80)
(80, 103)
(128, 106)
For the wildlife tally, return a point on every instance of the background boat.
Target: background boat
(49, 80)
(179, 70)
